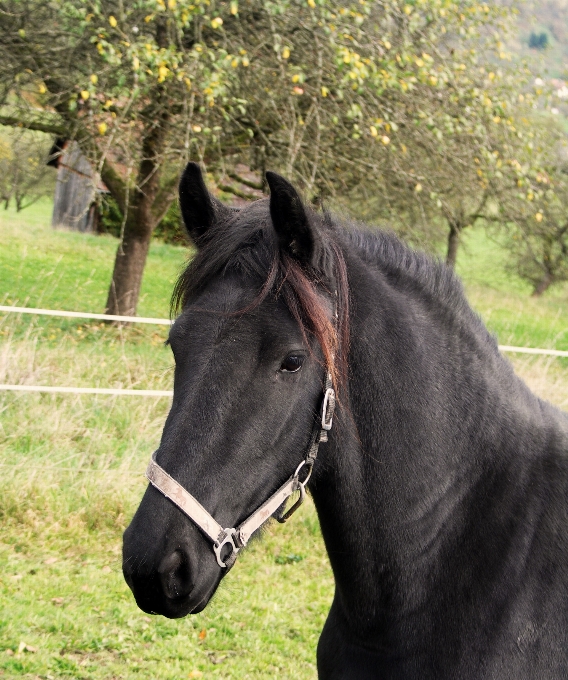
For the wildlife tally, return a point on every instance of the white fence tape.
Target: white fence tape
(168, 322)
(87, 390)
(85, 315)
(534, 350)
(27, 468)
(162, 322)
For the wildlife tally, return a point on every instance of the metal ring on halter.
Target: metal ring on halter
(228, 538)
(310, 465)
(301, 487)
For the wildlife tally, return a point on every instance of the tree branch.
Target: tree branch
(115, 184)
(247, 182)
(231, 190)
(164, 199)
(53, 127)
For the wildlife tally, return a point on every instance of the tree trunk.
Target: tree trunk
(129, 265)
(543, 285)
(453, 243)
(141, 218)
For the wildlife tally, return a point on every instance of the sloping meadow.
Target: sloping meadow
(71, 475)
(72, 472)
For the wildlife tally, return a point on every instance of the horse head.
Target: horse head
(253, 345)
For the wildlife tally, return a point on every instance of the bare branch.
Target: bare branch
(51, 125)
(115, 184)
(241, 194)
(247, 182)
(165, 197)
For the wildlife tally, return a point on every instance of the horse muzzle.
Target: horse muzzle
(170, 583)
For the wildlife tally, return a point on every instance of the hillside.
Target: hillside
(548, 17)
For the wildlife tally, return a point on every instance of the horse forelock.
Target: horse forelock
(245, 243)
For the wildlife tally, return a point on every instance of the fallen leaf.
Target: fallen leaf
(50, 560)
(23, 647)
(85, 588)
(202, 636)
(195, 674)
(57, 601)
(106, 569)
(10, 652)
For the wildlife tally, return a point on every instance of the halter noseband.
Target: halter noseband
(238, 537)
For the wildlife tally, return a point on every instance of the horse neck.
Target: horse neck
(433, 458)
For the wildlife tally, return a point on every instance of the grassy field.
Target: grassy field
(62, 269)
(71, 474)
(504, 301)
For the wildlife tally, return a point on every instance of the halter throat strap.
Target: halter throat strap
(234, 539)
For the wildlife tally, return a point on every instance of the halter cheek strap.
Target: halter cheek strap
(237, 538)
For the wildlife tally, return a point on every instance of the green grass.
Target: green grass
(50, 269)
(62, 595)
(59, 270)
(71, 474)
(503, 299)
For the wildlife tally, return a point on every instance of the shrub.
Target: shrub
(538, 41)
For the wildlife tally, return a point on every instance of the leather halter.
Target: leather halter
(237, 537)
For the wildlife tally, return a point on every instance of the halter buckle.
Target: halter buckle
(327, 409)
(227, 537)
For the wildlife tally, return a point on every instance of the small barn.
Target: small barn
(76, 189)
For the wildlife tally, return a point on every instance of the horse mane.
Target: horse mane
(412, 268)
(421, 274)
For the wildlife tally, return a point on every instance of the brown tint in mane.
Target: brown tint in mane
(247, 243)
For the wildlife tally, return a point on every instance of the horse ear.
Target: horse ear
(289, 218)
(200, 210)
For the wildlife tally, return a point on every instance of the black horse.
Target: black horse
(443, 490)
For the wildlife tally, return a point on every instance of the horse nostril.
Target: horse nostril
(175, 575)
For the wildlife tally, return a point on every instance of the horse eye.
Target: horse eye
(292, 363)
